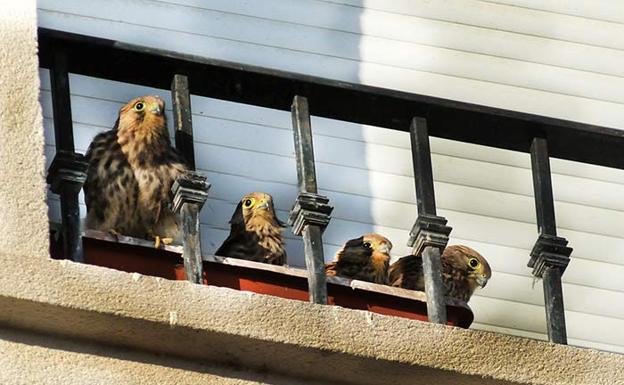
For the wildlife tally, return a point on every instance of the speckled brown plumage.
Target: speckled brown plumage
(131, 170)
(463, 270)
(365, 258)
(255, 231)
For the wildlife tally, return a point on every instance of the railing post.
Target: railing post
(189, 191)
(189, 195)
(550, 255)
(68, 170)
(311, 213)
(182, 118)
(429, 234)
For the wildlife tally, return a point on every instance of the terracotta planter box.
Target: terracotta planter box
(135, 255)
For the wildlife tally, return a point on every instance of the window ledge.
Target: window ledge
(286, 337)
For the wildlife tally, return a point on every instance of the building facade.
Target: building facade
(73, 323)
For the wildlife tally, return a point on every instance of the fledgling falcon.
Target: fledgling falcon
(463, 270)
(365, 258)
(131, 170)
(255, 231)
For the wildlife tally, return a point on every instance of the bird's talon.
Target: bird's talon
(158, 240)
(115, 234)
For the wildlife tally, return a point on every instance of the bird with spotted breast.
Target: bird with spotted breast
(463, 271)
(365, 258)
(131, 170)
(255, 231)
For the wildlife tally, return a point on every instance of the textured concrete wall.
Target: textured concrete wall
(23, 221)
(240, 338)
(34, 359)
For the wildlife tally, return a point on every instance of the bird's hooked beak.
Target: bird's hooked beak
(156, 110)
(481, 280)
(384, 249)
(264, 205)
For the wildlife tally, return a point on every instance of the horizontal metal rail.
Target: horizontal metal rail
(357, 103)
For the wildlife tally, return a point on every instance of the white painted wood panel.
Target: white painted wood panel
(506, 18)
(524, 98)
(361, 48)
(548, 61)
(609, 10)
(425, 31)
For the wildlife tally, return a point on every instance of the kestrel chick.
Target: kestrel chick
(255, 231)
(365, 258)
(131, 169)
(463, 270)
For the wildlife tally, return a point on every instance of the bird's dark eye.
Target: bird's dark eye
(248, 202)
(367, 245)
(139, 106)
(473, 263)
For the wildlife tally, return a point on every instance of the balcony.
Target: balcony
(421, 116)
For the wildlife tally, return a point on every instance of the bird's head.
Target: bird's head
(377, 243)
(144, 115)
(256, 210)
(370, 248)
(463, 258)
(367, 246)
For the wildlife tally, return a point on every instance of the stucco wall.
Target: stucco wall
(23, 228)
(43, 360)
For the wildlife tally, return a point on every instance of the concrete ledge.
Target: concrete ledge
(29, 358)
(286, 337)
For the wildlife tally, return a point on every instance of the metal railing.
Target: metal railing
(422, 116)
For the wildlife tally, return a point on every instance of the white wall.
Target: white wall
(524, 55)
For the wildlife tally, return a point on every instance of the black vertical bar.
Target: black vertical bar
(423, 174)
(425, 201)
(434, 288)
(61, 102)
(70, 214)
(542, 185)
(64, 136)
(193, 265)
(315, 263)
(545, 212)
(306, 172)
(306, 175)
(182, 118)
(553, 298)
(189, 211)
